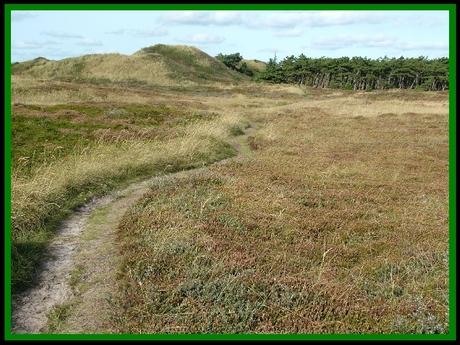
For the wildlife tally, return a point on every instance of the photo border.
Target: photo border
(237, 7)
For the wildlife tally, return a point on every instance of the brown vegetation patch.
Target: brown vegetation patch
(388, 115)
(410, 114)
(68, 114)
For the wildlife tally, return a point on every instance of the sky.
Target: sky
(255, 34)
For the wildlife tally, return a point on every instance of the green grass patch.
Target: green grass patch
(52, 133)
(57, 316)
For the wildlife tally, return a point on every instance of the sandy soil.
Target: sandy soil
(29, 309)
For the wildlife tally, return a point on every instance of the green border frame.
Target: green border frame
(452, 335)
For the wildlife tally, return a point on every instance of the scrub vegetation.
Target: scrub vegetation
(331, 217)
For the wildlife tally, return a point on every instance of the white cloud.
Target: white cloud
(24, 45)
(203, 18)
(61, 34)
(142, 33)
(422, 19)
(283, 20)
(186, 17)
(59, 53)
(329, 43)
(17, 16)
(375, 41)
(329, 18)
(362, 41)
(226, 18)
(31, 44)
(422, 45)
(117, 32)
(89, 42)
(323, 18)
(289, 33)
(321, 32)
(151, 32)
(372, 41)
(203, 38)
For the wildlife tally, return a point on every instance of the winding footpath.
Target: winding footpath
(84, 247)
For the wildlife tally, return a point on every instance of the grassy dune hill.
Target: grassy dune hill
(160, 64)
(254, 65)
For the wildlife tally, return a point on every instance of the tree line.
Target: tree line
(356, 73)
(359, 73)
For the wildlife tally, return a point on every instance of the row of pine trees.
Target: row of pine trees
(359, 73)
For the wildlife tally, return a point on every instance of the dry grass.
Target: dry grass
(338, 224)
(109, 67)
(103, 159)
(64, 173)
(254, 65)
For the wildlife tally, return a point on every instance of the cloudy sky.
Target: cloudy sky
(255, 34)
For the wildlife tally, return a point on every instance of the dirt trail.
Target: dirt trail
(84, 246)
(29, 309)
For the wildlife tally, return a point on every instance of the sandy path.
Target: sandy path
(84, 244)
(29, 309)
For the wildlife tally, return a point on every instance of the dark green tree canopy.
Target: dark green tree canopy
(230, 60)
(358, 73)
